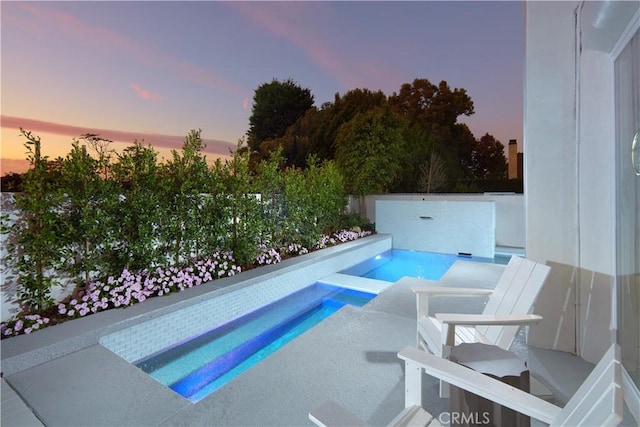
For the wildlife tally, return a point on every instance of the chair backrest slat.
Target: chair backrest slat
(515, 293)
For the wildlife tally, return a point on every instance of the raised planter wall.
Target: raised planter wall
(142, 329)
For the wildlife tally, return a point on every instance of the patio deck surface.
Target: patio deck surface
(349, 358)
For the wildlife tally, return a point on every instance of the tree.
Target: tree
(370, 150)
(433, 174)
(186, 177)
(419, 144)
(434, 110)
(37, 248)
(297, 141)
(315, 132)
(489, 161)
(459, 155)
(343, 109)
(328, 195)
(137, 171)
(270, 184)
(100, 146)
(86, 211)
(242, 207)
(276, 106)
(12, 182)
(424, 102)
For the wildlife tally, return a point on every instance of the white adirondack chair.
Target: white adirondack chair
(507, 309)
(332, 414)
(597, 402)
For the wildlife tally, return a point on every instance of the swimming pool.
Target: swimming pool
(394, 264)
(201, 365)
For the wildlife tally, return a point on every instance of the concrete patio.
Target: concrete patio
(349, 358)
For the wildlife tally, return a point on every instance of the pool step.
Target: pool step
(357, 283)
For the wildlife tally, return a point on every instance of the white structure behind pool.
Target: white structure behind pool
(449, 227)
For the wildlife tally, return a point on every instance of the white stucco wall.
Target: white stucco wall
(596, 205)
(444, 226)
(569, 171)
(509, 212)
(550, 173)
(550, 132)
(596, 163)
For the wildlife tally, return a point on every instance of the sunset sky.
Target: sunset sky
(154, 70)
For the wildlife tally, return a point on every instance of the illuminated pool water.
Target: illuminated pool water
(394, 264)
(203, 364)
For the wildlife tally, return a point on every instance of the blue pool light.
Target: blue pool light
(198, 367)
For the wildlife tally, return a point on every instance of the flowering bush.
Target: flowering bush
(131, 288)
(348, 235)
(267, 255)
(324, 242)
(24, 325)
(295, 249)
(272, 256)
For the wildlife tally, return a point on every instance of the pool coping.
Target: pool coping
(26, 351)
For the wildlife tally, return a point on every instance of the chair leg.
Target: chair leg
(445, 391)
(412, 384)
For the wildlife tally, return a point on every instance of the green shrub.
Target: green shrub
(91, 216)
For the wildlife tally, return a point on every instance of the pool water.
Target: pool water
(394, 264)
(203, 364)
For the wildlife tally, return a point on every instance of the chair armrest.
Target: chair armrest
(488, 319)
(482, 385)
(424, 292)
(450, 291)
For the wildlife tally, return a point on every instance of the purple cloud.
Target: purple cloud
(109, 40)
(213, 146)
(146, 94)
(284, 20)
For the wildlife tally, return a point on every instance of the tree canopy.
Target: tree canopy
(438, 153)
(489, 161)
(276, 106)
(370, 150)
(423, 102)
(315, 132)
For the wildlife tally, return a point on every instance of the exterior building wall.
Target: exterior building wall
(550, 186)
(569, 175)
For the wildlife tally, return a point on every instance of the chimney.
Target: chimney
(513, 159)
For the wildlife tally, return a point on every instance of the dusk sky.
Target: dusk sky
(154, 70)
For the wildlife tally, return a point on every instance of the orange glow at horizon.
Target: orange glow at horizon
(57, 139)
